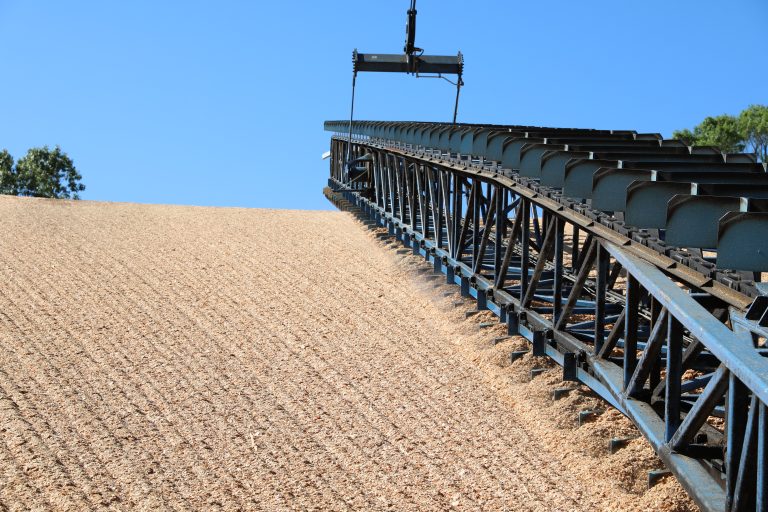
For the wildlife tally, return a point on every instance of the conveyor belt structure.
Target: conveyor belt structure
(631, 260)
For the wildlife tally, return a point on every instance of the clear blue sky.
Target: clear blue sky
(222, 103)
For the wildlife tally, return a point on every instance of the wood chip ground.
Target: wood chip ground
(183, 358)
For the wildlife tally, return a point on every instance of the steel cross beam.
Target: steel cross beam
(511, 248)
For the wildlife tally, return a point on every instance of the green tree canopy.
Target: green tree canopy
(721, 132)
(42, 172)
(7, 174)
(732, 134)
(753, 122)
(686, 136)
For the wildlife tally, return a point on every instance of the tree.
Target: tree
(721, 132)
(753, 122)
(686, 136)
(7, 174)
(731, 134)
(45, 172)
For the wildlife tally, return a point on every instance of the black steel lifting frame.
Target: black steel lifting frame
(680, 354)
(412, 61)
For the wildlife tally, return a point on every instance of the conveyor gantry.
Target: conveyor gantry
(632, 261)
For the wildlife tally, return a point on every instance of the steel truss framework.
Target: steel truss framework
(681, 356)
(683, 202)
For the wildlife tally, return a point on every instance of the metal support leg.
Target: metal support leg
(501, 195)
(575, 248)
(513, 326)
(482, 302)
(630, 329)
(674, 374)
(525, 238)
(736, 426)
(569, 367)
(465, 286)
(603, 260)
(558, 284)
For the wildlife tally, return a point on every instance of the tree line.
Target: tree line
(747, 131)
(42, 172)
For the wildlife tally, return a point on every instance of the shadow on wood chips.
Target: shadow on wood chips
(584, 447)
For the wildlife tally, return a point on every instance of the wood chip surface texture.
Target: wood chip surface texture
(185, 358)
